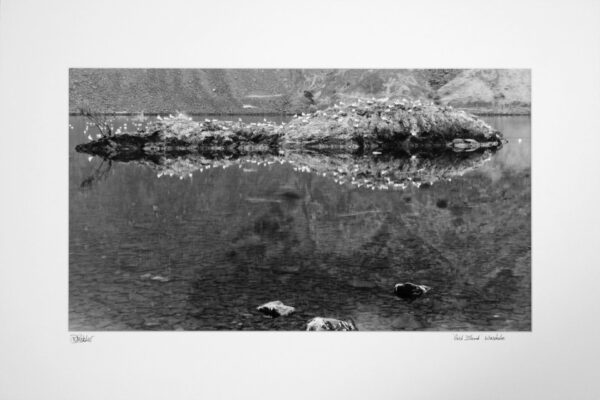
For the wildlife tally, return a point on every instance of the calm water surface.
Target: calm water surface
(224, 241)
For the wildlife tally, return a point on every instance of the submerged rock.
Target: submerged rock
(275, 309)
(442, 203)
(330, 324)
(155, 277)
(410, 291)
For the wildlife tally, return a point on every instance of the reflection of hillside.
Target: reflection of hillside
(244, 230)
(365, 243)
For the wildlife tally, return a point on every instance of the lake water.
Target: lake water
(149, 251)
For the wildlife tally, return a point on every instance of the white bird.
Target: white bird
(90, 137)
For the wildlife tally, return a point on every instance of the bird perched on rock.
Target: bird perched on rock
(410, 291)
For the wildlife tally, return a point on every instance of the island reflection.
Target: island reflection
(245, 229)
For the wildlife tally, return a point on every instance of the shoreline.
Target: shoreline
(274, 114)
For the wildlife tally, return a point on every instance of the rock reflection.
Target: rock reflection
(201, 252)
(380, 171)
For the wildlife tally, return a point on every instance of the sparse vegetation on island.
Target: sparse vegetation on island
(374, 125)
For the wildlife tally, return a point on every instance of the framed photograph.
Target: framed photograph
(287, 201)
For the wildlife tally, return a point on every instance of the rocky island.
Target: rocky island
(373, 125)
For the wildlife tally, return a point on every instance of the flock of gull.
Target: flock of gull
(372, 171)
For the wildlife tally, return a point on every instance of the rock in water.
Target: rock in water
(375, 126)
(410, 291)
(330, 324)
(275, 309)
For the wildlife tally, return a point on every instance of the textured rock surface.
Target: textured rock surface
(410, 291)
(385, 125)
(497, 91)
(275, 309)
(330, 324)
(257, 91)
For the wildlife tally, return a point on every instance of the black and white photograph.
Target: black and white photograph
(300, 199)
(312, 200)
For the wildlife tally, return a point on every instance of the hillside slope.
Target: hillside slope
(256, 91)
(494, 90)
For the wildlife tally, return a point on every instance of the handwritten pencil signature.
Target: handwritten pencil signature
(80, 338)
